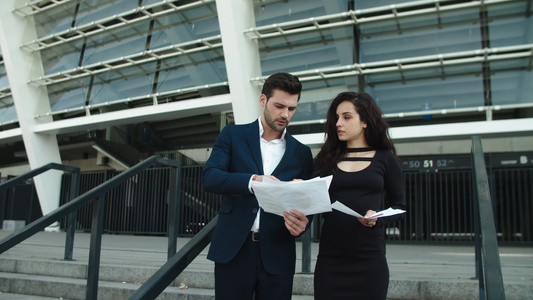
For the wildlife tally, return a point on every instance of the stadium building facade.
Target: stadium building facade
(102, 84)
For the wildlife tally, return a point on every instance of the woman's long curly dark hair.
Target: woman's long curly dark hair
(376, 133)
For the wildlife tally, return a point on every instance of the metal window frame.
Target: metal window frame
(4, 93)
(154, 97)
(33, 7)
(421, 62)
(130, 60)
(362, 16)
(127, 18)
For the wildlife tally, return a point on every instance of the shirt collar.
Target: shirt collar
(261, 130)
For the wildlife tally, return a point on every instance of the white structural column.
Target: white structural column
(29, 100)
(241, 56)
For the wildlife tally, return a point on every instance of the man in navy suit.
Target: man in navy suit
(254, 251)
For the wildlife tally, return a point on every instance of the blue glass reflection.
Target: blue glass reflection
(8, 113)
(364, 4)
(68, 96)
(433, 93)
(419, 36)
(193, 70)
(284, 11)
(307, 51)
(61, 58)
(55, 20)
(511, 24)
(4, 81)
(190, 25)
(511, 85)
(94, 10)
(123, 42)
(123, 84)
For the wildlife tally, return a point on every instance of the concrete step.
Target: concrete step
(10, 296)
(58, 279)
(67, 280)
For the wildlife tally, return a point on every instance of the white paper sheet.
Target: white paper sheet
(384, 213)
(308, 196)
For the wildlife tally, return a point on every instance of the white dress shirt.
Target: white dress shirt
(271, 154)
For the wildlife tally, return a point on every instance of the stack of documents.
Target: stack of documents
(308, 196)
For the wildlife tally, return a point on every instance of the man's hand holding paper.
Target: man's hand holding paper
(308, 196)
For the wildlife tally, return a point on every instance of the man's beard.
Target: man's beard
(273, 124)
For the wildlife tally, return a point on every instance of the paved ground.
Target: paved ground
(440, 261)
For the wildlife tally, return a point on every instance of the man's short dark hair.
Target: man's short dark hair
(282, 81)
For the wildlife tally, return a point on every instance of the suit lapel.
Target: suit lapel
(252, 136)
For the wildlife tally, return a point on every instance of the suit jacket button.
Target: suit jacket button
(254, 210)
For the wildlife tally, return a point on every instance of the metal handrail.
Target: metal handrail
(97, 196)
(488, 267)
(75, 183)
(176, 264)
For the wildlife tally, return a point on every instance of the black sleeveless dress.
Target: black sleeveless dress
(351, 262)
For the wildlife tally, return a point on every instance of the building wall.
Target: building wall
(441, 71)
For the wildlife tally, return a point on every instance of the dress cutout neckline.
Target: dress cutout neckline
(362, 149)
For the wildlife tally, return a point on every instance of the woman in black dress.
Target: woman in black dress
(360, 155)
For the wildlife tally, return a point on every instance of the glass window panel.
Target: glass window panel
(8, 113)
(62, 57)
(420, 36)
(122, 42)
(150, 2)
(56, 19)
(189, 25)
(68, 95)
(510, 24)
(317, 94)
(329, 83)
(95, 10)
(284, 11)
(511, 82)
(192, 70)
(307, 51)
(123, 83)
(364, 4)
(4, 81)
(426, 94)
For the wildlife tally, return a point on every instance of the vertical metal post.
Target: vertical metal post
(490, 276)
(306, 252)
(173, 211)
(97, 225)
(71, 219)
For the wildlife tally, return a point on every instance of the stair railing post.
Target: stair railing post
(95, 248)
(71, 219)
(306, 252)
(173, 210)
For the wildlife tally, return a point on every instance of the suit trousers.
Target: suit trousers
(244, 277)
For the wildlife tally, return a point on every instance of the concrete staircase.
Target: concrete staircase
(67, 280)
(34, 270)
(58, 279)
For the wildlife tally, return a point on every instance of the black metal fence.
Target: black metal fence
(439, 200)
(440, 206)
(140, 206)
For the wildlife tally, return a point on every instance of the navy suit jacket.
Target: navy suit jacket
(236, 156)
